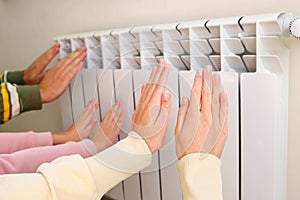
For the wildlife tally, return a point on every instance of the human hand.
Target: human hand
(194, 116)
(106, 134)
(150, 119)
(82, 126)
(58, 78)
(218, 131)
(35, 72)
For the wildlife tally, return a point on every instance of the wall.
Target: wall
(27, 28)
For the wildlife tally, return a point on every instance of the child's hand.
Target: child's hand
(56, 80)
(202, 121)
(35, 72)
(109, 129)
(81, 128)
(150, 119)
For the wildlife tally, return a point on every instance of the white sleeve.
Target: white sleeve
(200, 177)
(73, 177)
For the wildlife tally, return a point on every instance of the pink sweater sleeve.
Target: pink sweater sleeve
(12, 142)
(28, 160)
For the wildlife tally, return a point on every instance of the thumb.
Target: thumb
(181, 114)
(165, 107)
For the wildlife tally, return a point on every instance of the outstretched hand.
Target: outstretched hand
(150, 119)
(58, 78)
(107, 133)
(82, 126)
(201, 124)
(35, 73)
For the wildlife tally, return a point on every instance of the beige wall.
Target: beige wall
(27, 28)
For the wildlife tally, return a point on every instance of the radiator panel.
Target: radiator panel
(250, 55)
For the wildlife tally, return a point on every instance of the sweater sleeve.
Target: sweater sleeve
(28, 160)
(17, 99)
(12, 77)
(75, 178)
(12, 142)
(200, 177)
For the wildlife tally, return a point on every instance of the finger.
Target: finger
(195, 96)
(120, 120)
(208, 76)
(43, 60)
(107, 116)
(164, 77)
(117, 114)
(91, 125)
(159, 85)
(69, 76)
(143, 88)
(153, 72)
(157, 73)
(151, 85)
(181, 114)
(88, 111)
(165, 107)
(218, 148)
(143, 92)
(97, 105)
(111, 113)
(70, 57)
(69, 67)
(206, 91)
(216, 97)
(223, 107)
(47, 56)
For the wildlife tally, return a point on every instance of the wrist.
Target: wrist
(42, 94)
(59, 138)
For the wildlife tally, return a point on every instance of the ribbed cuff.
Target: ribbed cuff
(15, 77)
(30, 98)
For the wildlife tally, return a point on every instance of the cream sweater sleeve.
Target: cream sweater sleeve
(200, 177)
(73, 177)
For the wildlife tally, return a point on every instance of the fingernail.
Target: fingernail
(197, 73)
(161, 61)
(166, 96)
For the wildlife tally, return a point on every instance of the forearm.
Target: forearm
(200, 177)
(119, 162)
(90, 177)
(28, 160)
(15, 77)
(17, 99)
(64, 178)
(12, 142)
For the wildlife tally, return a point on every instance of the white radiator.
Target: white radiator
(254, 66)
